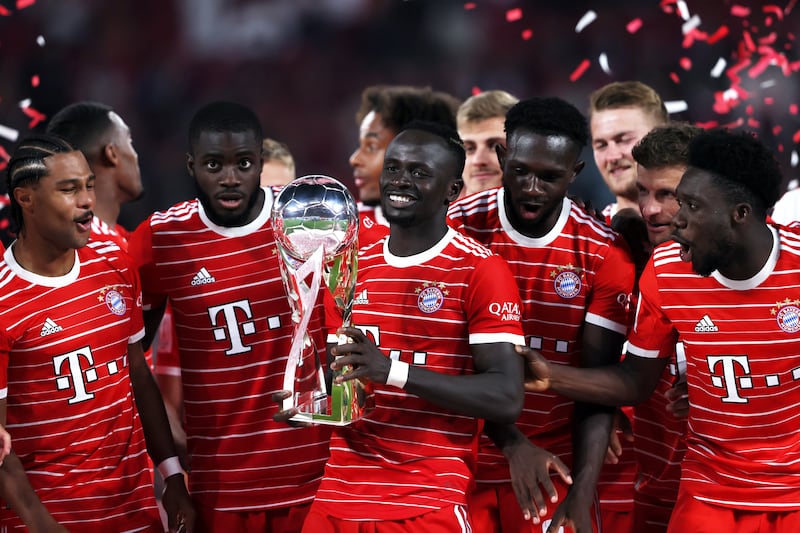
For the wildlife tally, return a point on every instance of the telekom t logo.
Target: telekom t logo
(727, 364)
(226, 316)
(71, 372)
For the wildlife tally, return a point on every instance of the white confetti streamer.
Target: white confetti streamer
(683, 10)
(794, 163)
(676, 106)
(9, 133)
(25, 103)
(690, 24)
(586, 19)
(719, 68)
(603, 60)
(40, 40)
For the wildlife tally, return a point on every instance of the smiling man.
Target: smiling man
(435, 335)
(727, 287)
(575, 277)
(214, 259)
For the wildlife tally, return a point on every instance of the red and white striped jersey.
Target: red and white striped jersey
(373, 226)
(580, 272)
(70, 406)
(103, 232)
(742, 342)
(234, 331)
(409, 456)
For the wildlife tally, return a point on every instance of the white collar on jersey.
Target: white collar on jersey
(239, 231)
(37, 279)
(761, 276)
(532, 242)
(420, 258)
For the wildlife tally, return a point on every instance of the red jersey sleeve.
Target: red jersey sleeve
(653, 334)
(608, 305)
(493, 306)
(167, 358)
(140, 248)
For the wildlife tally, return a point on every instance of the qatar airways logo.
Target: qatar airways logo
(505, 310)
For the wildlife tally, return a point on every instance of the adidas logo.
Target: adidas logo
(705, 325)
(361, 298)
(49, 328)
(203, 277)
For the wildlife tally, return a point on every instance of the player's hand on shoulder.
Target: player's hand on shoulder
(359, 359)
(537, 369)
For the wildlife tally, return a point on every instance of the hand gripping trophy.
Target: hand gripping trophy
(316, 228)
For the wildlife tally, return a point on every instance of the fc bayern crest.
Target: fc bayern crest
(115, 302)
(567, 284)
(430, 299)
(789, 319)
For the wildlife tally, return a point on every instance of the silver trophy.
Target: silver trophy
(315, 219)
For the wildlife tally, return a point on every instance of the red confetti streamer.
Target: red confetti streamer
(749, 109)
(777, 130)
(476, 90)
(4, 12)
(793, 109)
(707, 125)
(686, 63)
(753, 123)
(674, 77)
(578, 72)
(527, 34)
(4, 157)
(775, 10)
(735, 124)
(780, 148)
(634, 25)
(35, 80)
(768, 100)
(717, 35)
(740, 11)
(796, 137)
(470, 5)
(513, 14)
(22, 4)
(748, 41)
(36, 117)
(769, 39)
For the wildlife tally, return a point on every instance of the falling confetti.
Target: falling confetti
(719, 68)
(578, 72)
(603, 60)
(634, 25)
(9, 133)
(513, 14)
(585, 20)
(676, 106)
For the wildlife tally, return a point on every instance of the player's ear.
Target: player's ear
(455, 189)
(109, 155)
(190, 164)
(577, 169)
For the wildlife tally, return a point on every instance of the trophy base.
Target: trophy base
(337, 409)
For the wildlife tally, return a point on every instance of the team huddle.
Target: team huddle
(503, 325)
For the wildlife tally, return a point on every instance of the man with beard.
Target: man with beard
(575, 277)
(435, 334)
(214, 259)
(727, 287)
(620, 114)
(384, 111)
(105, 140)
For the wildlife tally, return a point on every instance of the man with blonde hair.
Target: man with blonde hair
(278, 168)
(480, 122)
(620, 114)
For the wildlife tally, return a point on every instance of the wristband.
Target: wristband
(169, 467)
(398, 374)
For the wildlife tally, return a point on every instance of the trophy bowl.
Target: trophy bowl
(315, 211)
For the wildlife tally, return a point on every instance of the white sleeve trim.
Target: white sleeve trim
(3, 393)
(488, 338)
(168, 371)
(641, 352)
(605, 323)
(136, 337)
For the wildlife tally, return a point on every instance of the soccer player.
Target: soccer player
(575, 277)
(434, 332)
(384, 111)
(105, 140)
(620, 114)
(214, 258)
(480, 121)
(727, 287)
(278, 168)
(71, 365)
(659, 442)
